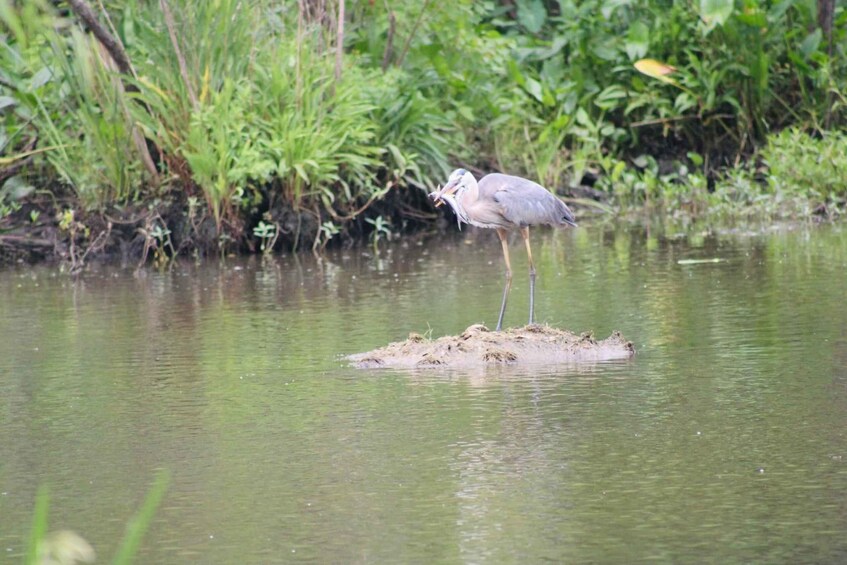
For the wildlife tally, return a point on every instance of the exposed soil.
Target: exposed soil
(478, 346)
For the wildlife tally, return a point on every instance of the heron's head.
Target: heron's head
(458, 181)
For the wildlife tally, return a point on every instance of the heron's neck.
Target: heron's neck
(454, 201)
(471, 193)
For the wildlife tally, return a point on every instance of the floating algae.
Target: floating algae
(477, 346)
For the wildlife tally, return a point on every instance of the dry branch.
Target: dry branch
(183, 68)
(109, 41)
(339, 41)
(117, 53)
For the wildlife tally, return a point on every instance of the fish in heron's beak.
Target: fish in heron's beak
(435, 196)
(438, 196)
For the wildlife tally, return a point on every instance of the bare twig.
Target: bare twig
(98, 244)
(826, 12)
(412, 33)
(388, 54)
(20, 164)
(374, 197)
(109, 41)
(298, 65)
(665, 121)
(15, 240)
(339, 40)
(113, 46)
(183, 68)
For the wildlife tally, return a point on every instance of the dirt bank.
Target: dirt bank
(478, 346)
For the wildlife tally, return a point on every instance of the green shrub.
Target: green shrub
(802, 165)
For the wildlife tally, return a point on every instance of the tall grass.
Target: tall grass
(272, 118)
(72, 98)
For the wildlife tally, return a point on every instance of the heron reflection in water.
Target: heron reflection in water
(504, 203)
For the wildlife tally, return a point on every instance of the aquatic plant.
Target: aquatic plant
(67, 548)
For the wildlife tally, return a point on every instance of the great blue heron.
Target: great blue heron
(505, 203)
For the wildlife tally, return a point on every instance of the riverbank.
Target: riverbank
(299, 134)
(47, 228)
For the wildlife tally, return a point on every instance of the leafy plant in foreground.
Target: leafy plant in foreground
(67, 547)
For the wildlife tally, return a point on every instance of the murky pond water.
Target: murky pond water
(724, 440)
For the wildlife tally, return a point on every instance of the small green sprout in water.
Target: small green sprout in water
(267, 234)
(382, 228)
(327, 232)
(160, 233)
(158, 238)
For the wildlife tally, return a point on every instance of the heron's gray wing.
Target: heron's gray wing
(523, 202)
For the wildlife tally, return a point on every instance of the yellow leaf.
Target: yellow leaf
(9, 160)
(656, 69)
(149, 84)
(204, 92)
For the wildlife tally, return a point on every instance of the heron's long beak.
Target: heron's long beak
(438, 195)
(435, 196)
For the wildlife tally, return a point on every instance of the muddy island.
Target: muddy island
(477, 346)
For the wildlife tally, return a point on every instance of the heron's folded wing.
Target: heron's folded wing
(530, 205)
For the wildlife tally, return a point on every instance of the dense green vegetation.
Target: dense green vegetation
(263, 124)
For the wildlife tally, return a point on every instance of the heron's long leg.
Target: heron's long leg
(505, 244)
(525, 235)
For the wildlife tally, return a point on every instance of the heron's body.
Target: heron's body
(505, 203)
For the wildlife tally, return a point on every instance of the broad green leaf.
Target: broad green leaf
(753, 17)
(778, 10)
(16, 188)
(531, 14)
(555, 48)
(811, 43)
(605, 48)
(609, 6)
(684, 102)
(466, 112)
(695, 158)
(40, 78)
(716, 12)
(637, 40)
(534, 88)
(610, 96)
(567, 9)
(515, 72)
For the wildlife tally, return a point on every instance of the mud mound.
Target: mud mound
(477, 346)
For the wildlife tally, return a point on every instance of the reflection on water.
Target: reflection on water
(723, 440)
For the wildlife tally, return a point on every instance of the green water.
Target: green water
(724, 440)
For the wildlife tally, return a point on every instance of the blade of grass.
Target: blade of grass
(137, 526)
(39, 525)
